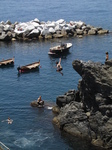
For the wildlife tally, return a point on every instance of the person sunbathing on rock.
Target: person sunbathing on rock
(40, 101)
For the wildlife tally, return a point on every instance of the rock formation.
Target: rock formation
(87, 112)
(35, 29)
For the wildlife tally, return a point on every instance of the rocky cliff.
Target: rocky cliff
(87, 112)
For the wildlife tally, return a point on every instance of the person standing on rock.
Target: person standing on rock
(107, 56)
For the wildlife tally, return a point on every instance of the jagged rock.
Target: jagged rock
(48, 36)
(92, 32)
(36, 20)
(2, 22)
(13, 39)
(79, 32)
(35, 104)
(7, 28)
(56, 109)
(8, 22)
(33, 34)
(57, 35)
(60, 21)
(6, 36)
(103, 31)
(80, 36)
(58, 27)
(44, 31)
(27, 30)
(1, 27)
(51, 30)
(64, 32)
(66, 98)
(88, 111)
(41, 37)
(1, 31)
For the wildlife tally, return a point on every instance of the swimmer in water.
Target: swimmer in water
(9, 121)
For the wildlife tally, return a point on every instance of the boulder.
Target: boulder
(62, 100)
(8, 22)
(44, 31)
(7, 28)
(51, 30)
(79, 32)
(48, 36)
(34, 34)
(64, 33)
(50, 25)
(6, 36)
(58, 28)
(1, 27)
(92, 32)
(79, 23)
(103, 31)
(57, 35)
(35, 104)
(60, 21)
(36, 20)
(56, 110)
(35, 24)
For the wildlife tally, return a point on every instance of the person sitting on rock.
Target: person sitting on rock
(40, 101)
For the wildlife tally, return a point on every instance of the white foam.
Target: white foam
(32, 138)
(49, 107)
(23, 142)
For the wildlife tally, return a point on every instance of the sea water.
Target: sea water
(32, 128)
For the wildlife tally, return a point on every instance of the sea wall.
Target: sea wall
(35, 29)
(87, 112)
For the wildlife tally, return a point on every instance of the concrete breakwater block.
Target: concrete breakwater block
(36, 29)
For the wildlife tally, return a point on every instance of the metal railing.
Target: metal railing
(3, 146)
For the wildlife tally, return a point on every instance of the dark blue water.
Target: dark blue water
(97, 13)
(32, 128)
